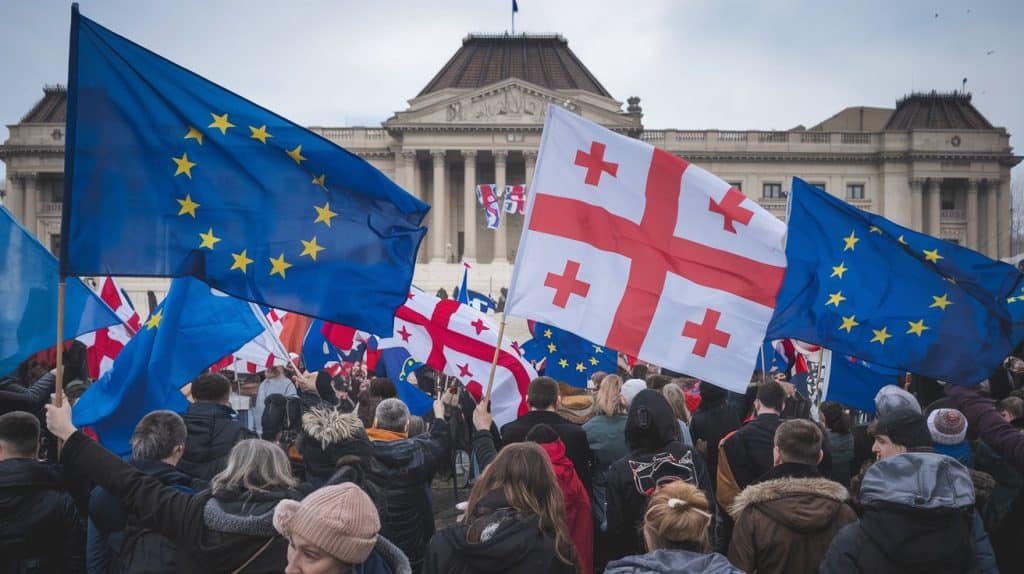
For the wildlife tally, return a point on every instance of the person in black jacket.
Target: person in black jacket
(213, 427)
(712, 421)
(514, 521)
(543, 400)
(15, 397)
(227, 528)
(656, 453)
(328, 436)
(40, 528)
(157, 445)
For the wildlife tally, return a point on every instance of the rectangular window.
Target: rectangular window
(855, 191)
(820, 185)
(771, 191)
(737, 184)
(948, 199)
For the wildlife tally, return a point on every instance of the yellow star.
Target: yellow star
(184, 165)
(208, 239)
(241, 261)
(901, 240)
(580, 368)
(279, 266)
(194, 134)
(880, 335)
(941, 302)
(311, 248)
(932, 255)
(296, 154)
(221, 123)
(1011, 300)
(547, 333)
(154, 321)
(593, 361)
(835, 298)
(849, 323)
(552, 348)
(850, 241)
(917, 327)
(321, 180)
(260, 133)
(563, 363)
(874, 229)
(187, 206)
(838, 271)
(324, 214)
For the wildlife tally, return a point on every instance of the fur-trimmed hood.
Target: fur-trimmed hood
(802, 504)
(329, 426)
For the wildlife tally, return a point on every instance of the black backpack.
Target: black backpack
(282, 418)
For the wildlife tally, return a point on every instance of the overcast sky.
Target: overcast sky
(696, 64)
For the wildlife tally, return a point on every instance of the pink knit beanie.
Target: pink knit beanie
(340, 520)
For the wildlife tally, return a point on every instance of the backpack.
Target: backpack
(282, 418)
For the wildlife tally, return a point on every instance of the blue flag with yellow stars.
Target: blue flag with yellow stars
(189, 331)
(854, 382)
(569, 358)
(861, 285)
(170, 175)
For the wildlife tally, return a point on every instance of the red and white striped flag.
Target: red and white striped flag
(105, 344)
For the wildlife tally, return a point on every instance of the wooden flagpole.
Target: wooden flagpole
(58, 397)
(494, 361)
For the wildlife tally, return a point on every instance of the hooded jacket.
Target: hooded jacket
(711, 422)
(498, 540)
(786, 522)
(327, 436)
(212, 432)
(673, 562)
(917, 519)
(577, 504)
(40, 528)
(653, 435)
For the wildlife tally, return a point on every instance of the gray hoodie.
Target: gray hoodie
(674, 561)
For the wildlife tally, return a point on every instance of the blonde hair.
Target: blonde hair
(255, 465)
(609, 397)
(676, 398)
(677, 517)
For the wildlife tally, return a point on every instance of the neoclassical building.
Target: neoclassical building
(933, 163)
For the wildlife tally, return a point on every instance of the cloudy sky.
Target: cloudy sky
(725, 64)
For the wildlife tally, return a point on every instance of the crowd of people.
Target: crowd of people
(646, 472)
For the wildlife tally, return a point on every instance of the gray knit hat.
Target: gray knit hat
(891, 398)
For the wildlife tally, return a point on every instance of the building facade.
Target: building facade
(932, 163)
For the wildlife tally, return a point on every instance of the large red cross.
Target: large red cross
(595, 164)
(654, 251)
(567, 284)
(706, 333)
(730, 210)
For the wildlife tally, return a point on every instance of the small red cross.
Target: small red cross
(595, 164)
(479, 326)
(404, 334)
(706, 333)
(515, 345)
(567, 284)
(464, 371)
(730, 210)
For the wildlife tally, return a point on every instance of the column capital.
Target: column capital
(972, 185)
(469, 153)
(407, 154)
(933, 184)
(530, 155)
(500, 155)
(438, 155)
(917, 183)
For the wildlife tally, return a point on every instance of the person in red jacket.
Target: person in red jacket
(577, 504)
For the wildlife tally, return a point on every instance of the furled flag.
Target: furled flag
(190, 330)
(638, 250)
(515, 199)
(855, 382)
(104, 345)
(464, 289)
(459, 341)
(861, 285)
(170, 174)
(28, 298)
(569, 358)
(486, 196)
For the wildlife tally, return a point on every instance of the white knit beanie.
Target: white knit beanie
(947, 426)
(632, 388)
(340, 520)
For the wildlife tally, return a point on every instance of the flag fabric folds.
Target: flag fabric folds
(568, 358)
(480, 302)
(855, 382)
(28, 298)
(190, 330)
(515, 199)
(172, 175)
(464, 289)
(636, 249)
(396, 364)
(104, 345)
(861, 285)
(486, 195)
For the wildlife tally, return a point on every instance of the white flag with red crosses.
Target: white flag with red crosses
(636, 249)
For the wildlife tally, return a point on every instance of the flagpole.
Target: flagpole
(58, 396)
(494, 361)
(764, 371)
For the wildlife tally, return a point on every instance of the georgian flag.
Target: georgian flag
(515, 199)
(486, 195)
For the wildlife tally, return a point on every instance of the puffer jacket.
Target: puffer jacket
(786, 522)
(327, 436)
(402, 470)
(917, 519)
(673, 562)
(213, 430)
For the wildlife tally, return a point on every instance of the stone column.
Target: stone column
(531, 164)
(408, 170)
(916, 208)
(439, 210)
(991, 244)
(15, 196)
(30, 196)
(972, 214)
(469, 206)
(501, 233)
(934, 207)
(1004, 217)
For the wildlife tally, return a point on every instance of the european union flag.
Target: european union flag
(861, 285)
(854, 382)
(396, 364)
(170, 174)
(569, 358)
(189, 331)
(28, 298)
